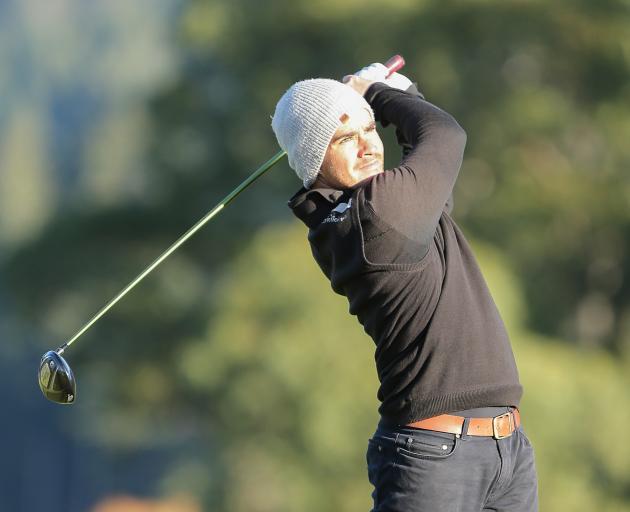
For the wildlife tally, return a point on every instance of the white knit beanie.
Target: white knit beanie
(307, 117)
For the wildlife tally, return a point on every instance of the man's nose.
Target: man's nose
(366, 146)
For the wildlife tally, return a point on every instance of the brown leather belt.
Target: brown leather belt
(498, 427)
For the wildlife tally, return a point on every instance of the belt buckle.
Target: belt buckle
(495, 425)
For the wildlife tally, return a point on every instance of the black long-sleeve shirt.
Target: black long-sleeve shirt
(390, 246)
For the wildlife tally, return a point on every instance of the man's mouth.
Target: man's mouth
(371, 165)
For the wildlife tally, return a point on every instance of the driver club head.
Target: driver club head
(56, 379)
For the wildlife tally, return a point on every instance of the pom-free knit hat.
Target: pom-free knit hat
(307, 117)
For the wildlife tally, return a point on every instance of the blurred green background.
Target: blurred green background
(233, 379)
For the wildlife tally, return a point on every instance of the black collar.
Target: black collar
(312, 205)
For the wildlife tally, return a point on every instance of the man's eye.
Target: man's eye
(346, 139)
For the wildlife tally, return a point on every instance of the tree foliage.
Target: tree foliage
(236, 348)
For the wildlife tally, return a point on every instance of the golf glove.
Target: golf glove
(377, 72)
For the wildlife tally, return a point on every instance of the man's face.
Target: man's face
(354, 153)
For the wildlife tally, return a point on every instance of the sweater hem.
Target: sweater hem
(417, 409)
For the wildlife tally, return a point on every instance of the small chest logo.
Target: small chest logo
(337, 213)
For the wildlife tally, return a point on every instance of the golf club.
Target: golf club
(55, 377)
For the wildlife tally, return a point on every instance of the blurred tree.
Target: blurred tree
(288, 380)
(27, 192)
(543, 93)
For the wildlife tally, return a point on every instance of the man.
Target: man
(449, 438)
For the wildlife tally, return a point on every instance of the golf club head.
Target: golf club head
(56, 379)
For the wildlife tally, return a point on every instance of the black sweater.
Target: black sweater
(390, 246)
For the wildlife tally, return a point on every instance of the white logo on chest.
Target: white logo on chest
(336, 214)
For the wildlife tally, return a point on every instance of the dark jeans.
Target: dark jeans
(414, 470)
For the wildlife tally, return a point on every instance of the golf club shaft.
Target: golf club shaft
(393, 64)
(257, 174)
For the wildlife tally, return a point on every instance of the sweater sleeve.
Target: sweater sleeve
(411, 197)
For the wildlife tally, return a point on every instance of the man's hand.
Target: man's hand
(377, 72)
(361, 85)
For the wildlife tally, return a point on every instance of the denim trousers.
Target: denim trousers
(416, 470)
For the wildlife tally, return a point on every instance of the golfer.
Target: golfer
(450, 436)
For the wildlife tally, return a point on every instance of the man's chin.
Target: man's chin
(376, 167)
(371, 172)
(376, 171)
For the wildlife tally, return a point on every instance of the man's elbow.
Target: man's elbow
(450, 128)
(456, 135)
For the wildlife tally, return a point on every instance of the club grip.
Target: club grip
(394, 64)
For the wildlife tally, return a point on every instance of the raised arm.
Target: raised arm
(412, 196)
